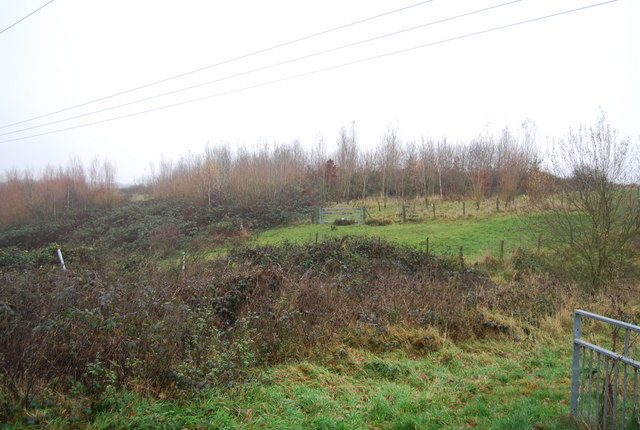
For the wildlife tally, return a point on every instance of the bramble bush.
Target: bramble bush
(132, 323)
(13, 258)
(157, 226)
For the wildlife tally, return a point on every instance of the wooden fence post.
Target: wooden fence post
(501, 250)
(461, 258)
(433, 209)
(497, 204)
(366, 212)
(464, 212)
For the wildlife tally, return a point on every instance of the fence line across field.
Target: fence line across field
(603, 395)
(407, 212)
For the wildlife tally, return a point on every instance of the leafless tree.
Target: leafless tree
(478, 168)
(366, 166)
(595, 212)
(388, 157)
(429, 172)
(444, 161)
(511, 165)
(346, 157)
(411, 172)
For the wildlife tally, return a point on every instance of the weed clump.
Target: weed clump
(343, 221)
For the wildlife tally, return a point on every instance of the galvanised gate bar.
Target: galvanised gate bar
(604, 383)
(329, 215)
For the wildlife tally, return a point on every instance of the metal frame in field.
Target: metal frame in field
(604, 383)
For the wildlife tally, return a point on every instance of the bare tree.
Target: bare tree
(76, 183)
(595, 212)
(411, 172)
(317, 162)
(366, 165)
(13, 204)
(428, 166)
(388, 155)
(210, 173)
(511, 165)
(478, 167)
(330, 178)
(346, 157)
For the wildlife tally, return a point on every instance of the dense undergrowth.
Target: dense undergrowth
(156, 226)
(130, 324)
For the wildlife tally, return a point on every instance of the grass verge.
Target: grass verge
(488, 384)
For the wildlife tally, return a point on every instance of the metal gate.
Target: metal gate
(604, 383)
(329, 215)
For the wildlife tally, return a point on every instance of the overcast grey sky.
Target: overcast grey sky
(557, 71)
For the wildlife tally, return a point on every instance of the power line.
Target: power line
(263, 68)
(231, 60)
(23, 18)
(325, 69)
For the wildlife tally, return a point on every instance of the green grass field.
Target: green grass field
(478, 236)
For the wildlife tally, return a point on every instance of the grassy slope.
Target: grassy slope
(478, 235)
(488, 384)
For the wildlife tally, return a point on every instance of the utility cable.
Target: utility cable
(231, 60)
(300, 75)
(23, 18)
(263, 68)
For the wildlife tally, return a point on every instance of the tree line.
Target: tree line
(292, 175)
(24, 196)
(486, 166)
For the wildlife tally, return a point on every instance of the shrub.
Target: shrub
(163, 240)
(343, 221)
